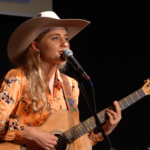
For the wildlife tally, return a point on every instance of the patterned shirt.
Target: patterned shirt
(13, 112)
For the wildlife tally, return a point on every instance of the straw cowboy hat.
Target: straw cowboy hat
(32, 28)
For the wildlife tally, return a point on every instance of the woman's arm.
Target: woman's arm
(42, 138)
(10, 94)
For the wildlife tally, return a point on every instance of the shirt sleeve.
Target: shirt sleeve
(10, 94)
(92, 136)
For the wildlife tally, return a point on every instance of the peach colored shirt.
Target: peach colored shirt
(13, 113)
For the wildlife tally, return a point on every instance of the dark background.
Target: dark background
(114, 51)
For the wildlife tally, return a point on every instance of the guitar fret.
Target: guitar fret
(141, 92)
(136, 98)
(132, 98)
(126, 101)
(68, 137)
(100, 118)
(129, 99)
(85, 126)
(83, 129)
(89, 125)
(121, 105)
(73, 135)
(93, 122)
(137, 94)
(81, 133)
(77, 132)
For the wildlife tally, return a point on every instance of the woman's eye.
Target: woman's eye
(67, 39)
(54, 38)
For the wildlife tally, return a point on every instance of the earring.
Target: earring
(38, 53)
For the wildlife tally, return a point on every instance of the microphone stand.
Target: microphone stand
(98, 124)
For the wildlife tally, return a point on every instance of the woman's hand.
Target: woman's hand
(114, 118)
(42, 138)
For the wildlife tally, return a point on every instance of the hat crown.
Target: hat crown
(49, 14)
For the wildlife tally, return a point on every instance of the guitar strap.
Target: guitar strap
(68, 95)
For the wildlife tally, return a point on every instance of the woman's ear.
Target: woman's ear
(35, 46)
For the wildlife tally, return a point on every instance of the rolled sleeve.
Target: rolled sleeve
(93, 137)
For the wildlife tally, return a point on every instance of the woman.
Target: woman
(35, 90)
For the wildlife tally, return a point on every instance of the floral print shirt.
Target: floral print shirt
(13, 114)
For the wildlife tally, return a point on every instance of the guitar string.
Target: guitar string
(132, 98)
(60, 144)
(126, 100)
(123, 101)
(89, 124)
(63, 139)
(70, 130)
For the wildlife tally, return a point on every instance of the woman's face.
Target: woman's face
(53, 44)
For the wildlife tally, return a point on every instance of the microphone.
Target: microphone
(68, 54)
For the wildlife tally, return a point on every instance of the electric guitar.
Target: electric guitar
(71, 133)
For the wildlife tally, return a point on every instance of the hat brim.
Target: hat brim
(31, 29)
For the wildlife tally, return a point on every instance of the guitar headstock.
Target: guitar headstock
(146, 86)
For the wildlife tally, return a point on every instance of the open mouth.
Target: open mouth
(60, 52)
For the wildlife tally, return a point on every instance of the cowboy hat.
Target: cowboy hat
(28, 31)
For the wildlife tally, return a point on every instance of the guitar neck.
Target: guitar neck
(124, 103)
(89, 124)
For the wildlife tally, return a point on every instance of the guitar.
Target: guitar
(71, 133)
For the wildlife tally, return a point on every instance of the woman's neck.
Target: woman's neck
(50, 71)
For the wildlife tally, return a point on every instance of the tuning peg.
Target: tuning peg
(147, 80)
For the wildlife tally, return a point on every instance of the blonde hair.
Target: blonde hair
(36, 87)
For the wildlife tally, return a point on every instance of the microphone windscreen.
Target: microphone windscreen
(66, 53)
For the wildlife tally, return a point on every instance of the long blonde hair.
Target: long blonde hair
(36, 87)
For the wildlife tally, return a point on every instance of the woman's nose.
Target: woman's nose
(64, 43)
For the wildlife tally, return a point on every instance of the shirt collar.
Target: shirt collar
(58, 80)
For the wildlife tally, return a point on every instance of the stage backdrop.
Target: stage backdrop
(27, 8)
(114, 50)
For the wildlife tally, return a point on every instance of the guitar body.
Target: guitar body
(59, 122)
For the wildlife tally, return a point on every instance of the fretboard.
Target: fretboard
(89, 124)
